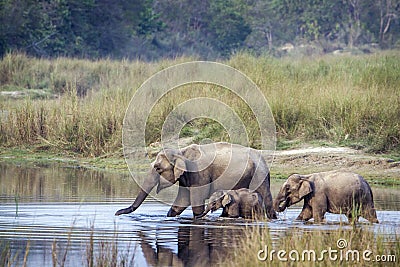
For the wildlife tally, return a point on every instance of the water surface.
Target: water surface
(56, 209)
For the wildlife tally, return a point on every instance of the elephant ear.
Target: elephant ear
(227, 198)
(305, 188)
(179, 168)
(192, 152)
(255, 198)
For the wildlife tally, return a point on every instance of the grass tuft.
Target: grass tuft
(260, 248)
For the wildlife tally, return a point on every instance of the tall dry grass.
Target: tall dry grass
(347, 99)
(96, 253)
(350, 100)
(296, 248)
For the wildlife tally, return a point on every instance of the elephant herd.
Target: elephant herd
(236, 179)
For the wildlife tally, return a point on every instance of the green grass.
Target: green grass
(343, 100)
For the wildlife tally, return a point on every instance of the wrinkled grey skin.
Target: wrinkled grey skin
(334, 191)
(209, 168)
(236, 203)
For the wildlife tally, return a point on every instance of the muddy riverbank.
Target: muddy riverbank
(379, 169)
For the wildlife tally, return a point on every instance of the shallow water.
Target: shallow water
(61, 209)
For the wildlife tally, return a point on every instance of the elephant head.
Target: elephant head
(218, 199)
(292, 191)
(166, 170)
(170, 165)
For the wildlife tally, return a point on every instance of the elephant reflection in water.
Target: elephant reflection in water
(197, 246)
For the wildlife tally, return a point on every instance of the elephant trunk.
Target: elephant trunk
(138, 201)
(280, 204)
(276, 204)
(148, 185)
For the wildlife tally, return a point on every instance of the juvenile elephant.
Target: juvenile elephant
(242, 202)
(334, 191)
(203, 169)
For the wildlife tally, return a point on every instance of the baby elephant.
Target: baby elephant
(334, 191)
(242, 202)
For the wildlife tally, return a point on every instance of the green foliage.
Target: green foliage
(204, 129)
(153, 29)
(228, 27)
(80, 28)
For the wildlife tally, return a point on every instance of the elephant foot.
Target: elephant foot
(299, 218)
(374, 220)
(172, 213)
(198, 211)
(271, 214)
(320, 221)
(197, 217)
(124, 211)
(175, 211)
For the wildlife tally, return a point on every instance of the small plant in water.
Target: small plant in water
(16, 197)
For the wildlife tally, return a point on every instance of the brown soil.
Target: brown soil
(316, 159)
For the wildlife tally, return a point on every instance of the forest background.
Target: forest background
(155, 29)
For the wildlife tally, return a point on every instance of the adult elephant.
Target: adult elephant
(200, 170)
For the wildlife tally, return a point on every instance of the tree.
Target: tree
(83, 28)
(264, 25)
(186, 33)
(354, 21)
(150, 29)
(206, 28)
(389, 11)
(23, 26)
(228, 27)
(300, 20)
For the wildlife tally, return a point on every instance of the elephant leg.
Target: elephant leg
(198, 195)
(319, 205)
(265, 193)
(319, 214)
(306, 214)
(319, 208)
(233, 210)
(353, 218)
(369, 213)
(181, 202)
(198, 210)
(224, 213)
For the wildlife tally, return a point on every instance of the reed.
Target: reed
(346, 100)
(99, 252)
(9, 258)
(343, 246)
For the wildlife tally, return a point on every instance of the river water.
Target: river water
(65, 215)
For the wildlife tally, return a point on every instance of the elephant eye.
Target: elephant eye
(158, 168)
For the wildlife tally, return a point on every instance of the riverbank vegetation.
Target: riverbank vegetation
(355, 246)
(77, 106)
(97, 252)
